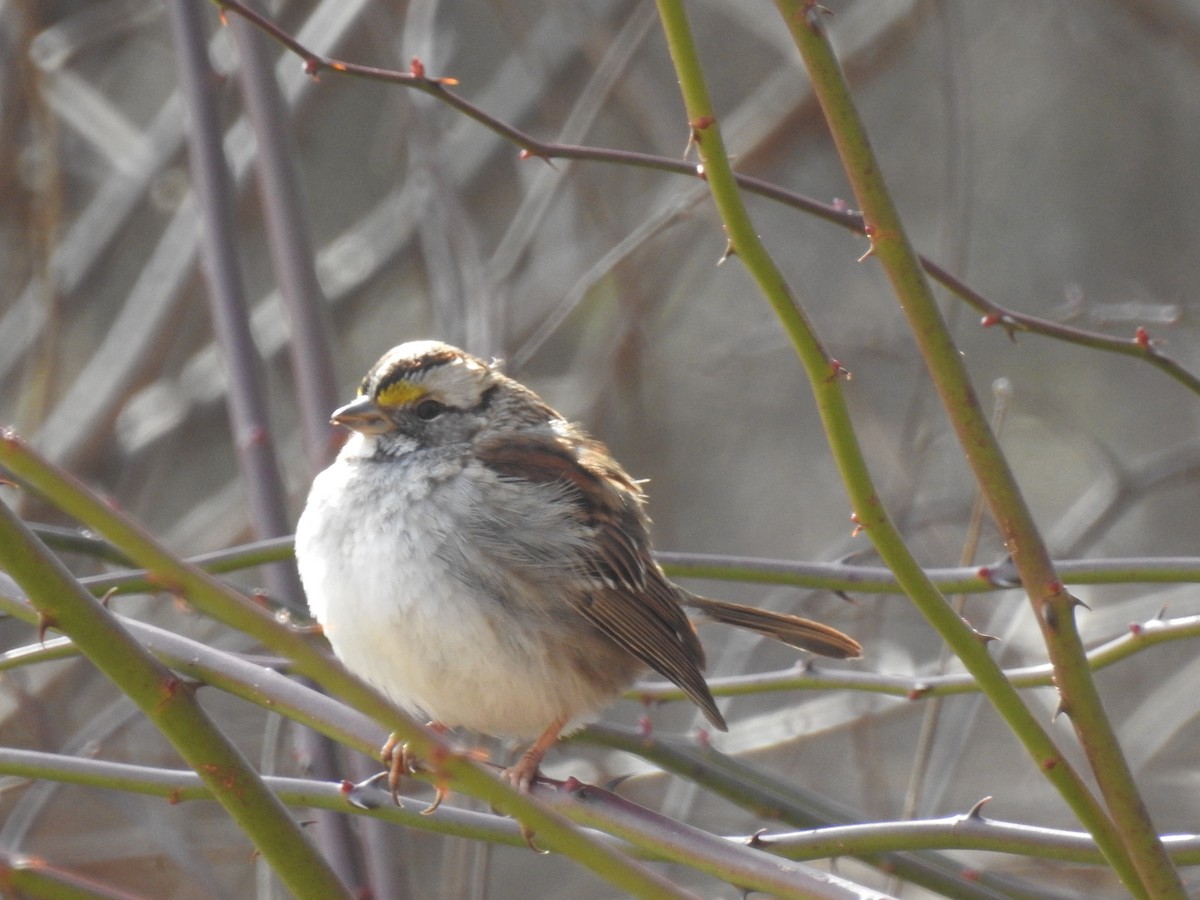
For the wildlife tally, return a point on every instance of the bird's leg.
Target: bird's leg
(399, 762)
(523, 773)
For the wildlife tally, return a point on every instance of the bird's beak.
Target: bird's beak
(362, 415)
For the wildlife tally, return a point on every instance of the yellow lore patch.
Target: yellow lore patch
(399, 393)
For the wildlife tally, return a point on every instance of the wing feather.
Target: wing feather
(609, 578)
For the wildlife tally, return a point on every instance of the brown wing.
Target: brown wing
(621, 590)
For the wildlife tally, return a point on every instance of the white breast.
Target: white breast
(367, 546)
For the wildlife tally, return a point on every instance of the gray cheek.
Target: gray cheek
(457, 426)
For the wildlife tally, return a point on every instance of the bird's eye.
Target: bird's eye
(428, 410)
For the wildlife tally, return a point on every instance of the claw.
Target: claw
(398, 762)
(527, 833)
(522, 773)
(441, 792)
(395, 758)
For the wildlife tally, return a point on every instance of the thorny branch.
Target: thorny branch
(1140, 345)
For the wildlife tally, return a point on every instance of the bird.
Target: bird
(485, 562)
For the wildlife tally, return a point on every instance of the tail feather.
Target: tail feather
(795, 631)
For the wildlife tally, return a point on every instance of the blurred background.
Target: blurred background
(1044, 153)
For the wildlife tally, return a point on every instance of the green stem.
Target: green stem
(921, 687)
(845, 577)
(1053, 605)
(182, 786)
(831, 576)
(169, 704)
(824, 376)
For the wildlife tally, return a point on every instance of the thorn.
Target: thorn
(180, 602)
(755, 840)
(837, 370)
(701, 174)
(729, 251)
(574, 786)
(1060, 710)
(361, 796)
(917, 691)
(44, 621)
(870, 252)
(173, 686)
(1135, 629)
(1162, 614)
(526, 153)
(312, 68)
(1075, 602)
(417, 70)
(1142, 338)
(982, 637)
(1002, 574)
(976, 811)
(694, 129)
(813, 13)
(1002, 319)
(858, 526)
(108, 595)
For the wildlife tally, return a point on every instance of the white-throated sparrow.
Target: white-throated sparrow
(481, 560)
